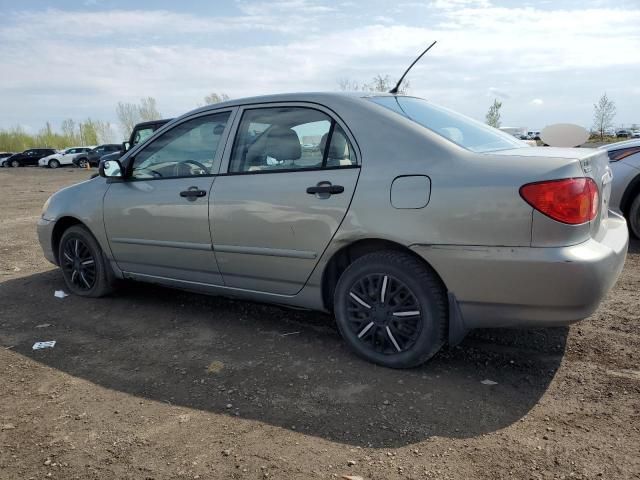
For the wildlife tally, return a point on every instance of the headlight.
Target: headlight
(45, 207)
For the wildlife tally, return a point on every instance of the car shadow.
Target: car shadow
(284, 367)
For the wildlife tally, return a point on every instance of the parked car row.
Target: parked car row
(80, 156)
(627, 133)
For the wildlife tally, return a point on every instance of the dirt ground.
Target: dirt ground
(153, 383)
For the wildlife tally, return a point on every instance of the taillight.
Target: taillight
(570, 200)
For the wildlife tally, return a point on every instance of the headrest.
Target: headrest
(283, 144)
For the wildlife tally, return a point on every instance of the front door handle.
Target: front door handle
(325, 188)
(192, 193)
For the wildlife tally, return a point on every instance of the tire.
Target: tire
(634, 216)
(15, 163)
(379, 333)
(77, 248)
(82, 163)
(53, 163)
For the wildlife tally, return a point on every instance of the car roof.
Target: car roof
(624, 144)
(312, 97)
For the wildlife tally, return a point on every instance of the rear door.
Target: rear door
(285, 187)
(157, 221)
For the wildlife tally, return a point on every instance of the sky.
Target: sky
(546, 61)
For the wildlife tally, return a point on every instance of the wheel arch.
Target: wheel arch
(629, 194)
(62, 224)
(341, 259)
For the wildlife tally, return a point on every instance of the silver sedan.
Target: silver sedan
(410, 223)
(624, 158)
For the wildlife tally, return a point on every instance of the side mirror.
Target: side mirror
(125, 146)
(110, 169)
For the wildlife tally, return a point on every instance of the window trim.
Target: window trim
(335, 119)
(130, 157)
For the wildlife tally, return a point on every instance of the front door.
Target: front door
(157, 220)
(288, 184)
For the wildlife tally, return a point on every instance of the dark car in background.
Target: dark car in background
(93, 157)
(28, 157)
(139, 134)
(3, 157)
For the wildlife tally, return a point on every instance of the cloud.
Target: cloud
(537, 102)
(496, 92)
(81, 63)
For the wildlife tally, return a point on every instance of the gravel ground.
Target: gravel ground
(153, 383)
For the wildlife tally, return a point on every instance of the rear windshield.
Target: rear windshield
(461, 130)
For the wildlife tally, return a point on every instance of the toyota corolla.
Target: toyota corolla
(412, 224)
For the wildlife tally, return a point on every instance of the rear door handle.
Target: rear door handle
(192, 193)
(326, 188)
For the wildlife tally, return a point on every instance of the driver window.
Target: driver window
(186, 150)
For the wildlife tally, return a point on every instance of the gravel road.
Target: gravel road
(153, 383)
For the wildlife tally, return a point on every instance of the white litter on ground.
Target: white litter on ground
(488, 382)
(60, 294)
(40, 345)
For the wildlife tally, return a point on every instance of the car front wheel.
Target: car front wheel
(83, 265)
(54, 163)
(82, 163)
(391, 309)
(15, 163)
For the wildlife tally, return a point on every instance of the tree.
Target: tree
(493, 115)
(603, 113)
(379, 83)
(148, 110)
(129, 114)
(104, 132)
(213, 98)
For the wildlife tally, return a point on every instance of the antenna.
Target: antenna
(394, 90)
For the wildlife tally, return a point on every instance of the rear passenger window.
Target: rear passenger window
(288, 138)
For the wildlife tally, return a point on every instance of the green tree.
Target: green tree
(493, 115)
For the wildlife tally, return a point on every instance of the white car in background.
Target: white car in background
(64, 157)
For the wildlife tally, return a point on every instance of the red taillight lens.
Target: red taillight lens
(570, 200)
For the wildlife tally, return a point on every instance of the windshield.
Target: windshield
(461, 130)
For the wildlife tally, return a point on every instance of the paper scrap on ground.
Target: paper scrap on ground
(39, 345)
(215, 366)
(60, 294)
(488, 382)
(44, 325)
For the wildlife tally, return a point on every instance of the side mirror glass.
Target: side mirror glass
(125, 146)
(111, 169)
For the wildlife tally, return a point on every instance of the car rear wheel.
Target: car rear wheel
(15, 163)
(53, 163)
(391, 309)
(84, 268)
(82, 163)
(634, 216)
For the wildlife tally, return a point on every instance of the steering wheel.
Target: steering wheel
(193, 162)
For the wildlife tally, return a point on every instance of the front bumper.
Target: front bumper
(530, 287)
(45, 236)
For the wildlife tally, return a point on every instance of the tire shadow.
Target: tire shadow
(283, 367)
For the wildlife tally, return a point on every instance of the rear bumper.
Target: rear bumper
(526, 287)
(45, 234)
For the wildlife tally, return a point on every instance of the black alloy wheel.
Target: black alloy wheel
(78, 264)
(384, 313)
(391, 309)
(84, 267)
